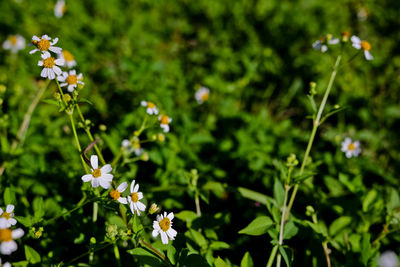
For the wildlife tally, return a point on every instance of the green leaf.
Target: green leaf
(20, 264)
(258, 226)
(247, 261)
(394, 201)
(365, 248)
(279, 192)
(146, 257)
(284, 255)
(186, 215)
(197, 237)
(9, 196)
(220, 263)
(339, 225)
(137, 224)
(171, 253)
(330, 114)
(218, 245)
(27, 221)
(312, 102)
(290, 230)
(255, 196)
(303, 177)
(369, 199)
(31, 255)
(84, 100)
(51, 102)
(38, 207)
(192, 260)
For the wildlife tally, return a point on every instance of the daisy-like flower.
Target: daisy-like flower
(364, 45)
(134, 198)
(116, 194)
(164, 122)
(388, 259)
(151, 107)
(7, 236)
(8, 215)
(6, 264)
(70, 79)
(163, 227)
(68, 57)
(132, 146)
(202, 94)
(99, 176)
(14, 43)
(43, 44)
(322, 43)
(50, 67)
(352, 149)
(60, 8)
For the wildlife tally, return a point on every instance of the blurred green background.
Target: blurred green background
(256, 58)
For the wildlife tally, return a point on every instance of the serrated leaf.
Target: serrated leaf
(247, 261)
(26, 221)
(31, 255)
(258, 226)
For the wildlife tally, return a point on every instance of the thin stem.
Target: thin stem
(287, 188)
(77, 143)
(86, 253)
(272, 256)
(197, 202)
(382, 235)
(327, 252)
(116, 254)
(313, 132)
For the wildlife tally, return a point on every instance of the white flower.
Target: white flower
(7, 236)
(202, 94)
(43, 44)
(321, 44)
(388, 259)
(164, 122)
(14, 43)
(70, 79)
(99, 176)
(116, 194)
(6, 264)
(8, 215)
(68, 57)
(132, 146)
(351, 148)
(134, 198)
(163, 227)
(50, 67)
(151, 107)
(59, 8)
(364, 45)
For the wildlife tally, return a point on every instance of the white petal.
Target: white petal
(12, 221)
(171, 233)
(9, 247)
(164, 237)
(143, 103)
(59, 62)
(55, 40)
(106, 168)
(107, 177)
(95, 182)
(4, 223)
(170, 216)
(35, 38)
(10, 208)
(132, 207)
(316, 45)
(71, 88)
(357, 45)
(40, 63)
(121, 188)
(155, 233)
(355, 39)
(132, 185)
(123, 200)
(140, 195)
(368, 55)
(1, 211)
(63, 84)
(61, 78)
(44, 73)
(46, 54)
(17, 233)
(94, 161)
(51, 74)
(87, 177)
(141, 206)
(136, 188)
(348, 154)
(324, 48)
(72, 72)
(56, 50)
(334, 41)
(33, 51)
(57, 70)
(105, 184)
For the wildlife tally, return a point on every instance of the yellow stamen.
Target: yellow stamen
(165, 224)
(135, 197)
(365, 45)
(96, 173)
(164, 119)
(13, 40)
(205, 96)
(49, 62)
(72, 79)
(351, 147)
(150, 105)
(6, 215)
(67, 55)
(5, 235)
(115, 194)
(43, 44)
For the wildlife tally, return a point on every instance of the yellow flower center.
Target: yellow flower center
(346, 34)
(43, 44)
(5, 235)
(13, 40)
(351, 147)
(165, 224)
(6, 215)
(365, 45)
(96, 173)
(164, 119)
(136, 145)
(115, 194)
(205, 96)
(150, 105)
(135, 197)
(72, 79)
(49, 62)
(67, 55)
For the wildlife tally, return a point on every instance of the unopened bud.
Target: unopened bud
(136, 133)
(102, 127)
(3, 88)
(345, 36)
(57, 96)
(144, 156)
(153, 208)
(310, 211)
(67, 97)
(313, 86)
(161, 137)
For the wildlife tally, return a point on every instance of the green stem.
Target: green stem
(287, 188)
(77, 143)
(116, 254)
(272, 256)
(313, 132)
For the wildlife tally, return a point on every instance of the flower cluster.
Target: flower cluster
(7, 235)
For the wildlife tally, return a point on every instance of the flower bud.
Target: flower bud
(153, 208)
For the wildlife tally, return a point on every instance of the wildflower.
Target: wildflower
(98, 176)
(134, 198)
(202, 94)
(153, 208)
(116, 194)
(70, 79)
(14, 43)
(364, 45)
(6, 264)
(8, 215)
(163, 227)
(68, 57)
(7, 236)
(60, 8)
(322, 43)
(151, 107)
(351, 148)
(388, 259)
(43, 44)
(50, 66)
(164, 122)
(132, 146)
